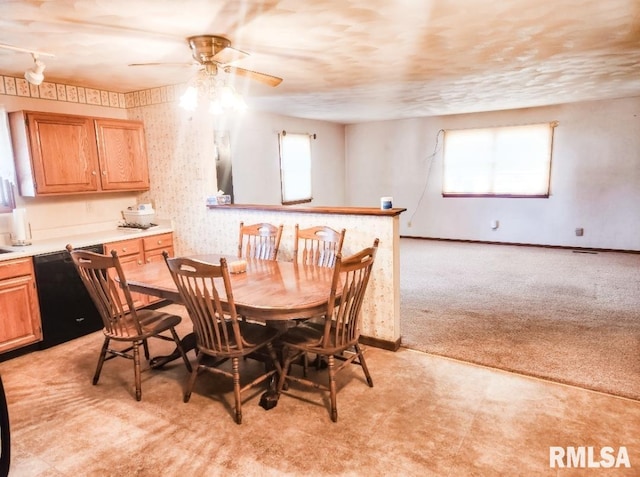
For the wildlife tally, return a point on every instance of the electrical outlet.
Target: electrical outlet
(579, 232)
(409, 224)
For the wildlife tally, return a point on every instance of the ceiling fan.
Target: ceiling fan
(215, 53)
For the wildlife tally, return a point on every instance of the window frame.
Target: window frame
(287, 172)
(493, 164)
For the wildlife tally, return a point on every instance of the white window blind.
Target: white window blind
(513, 161)
(295, 167)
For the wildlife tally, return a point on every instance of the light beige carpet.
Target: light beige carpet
(551, 313)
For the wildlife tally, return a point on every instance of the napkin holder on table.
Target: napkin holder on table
(237, 266)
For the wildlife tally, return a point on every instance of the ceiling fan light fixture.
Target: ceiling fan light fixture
(206, 88)
(35, 75)
(189, 99)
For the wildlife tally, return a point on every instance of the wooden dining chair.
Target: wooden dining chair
(260, 241)
(336, 338)
(220, 334)
(107, 285)
(317, 245)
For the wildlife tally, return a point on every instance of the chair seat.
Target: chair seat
(308, 336)
(152, 322)
(254, 335)
(257, 334)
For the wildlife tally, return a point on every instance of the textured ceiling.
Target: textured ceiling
(346, 60)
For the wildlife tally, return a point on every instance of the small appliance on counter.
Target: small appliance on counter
(140, 216)
(20, 228)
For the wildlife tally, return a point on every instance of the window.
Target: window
(512, 161)
(295, 167)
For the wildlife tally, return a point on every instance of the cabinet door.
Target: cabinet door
(153, 248)
(156, 255)
(20, 324)
(63, 153)
(154, 245)
(122, 154)
(131, 256)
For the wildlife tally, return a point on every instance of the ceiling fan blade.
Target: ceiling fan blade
(229, 55)
(261, 77)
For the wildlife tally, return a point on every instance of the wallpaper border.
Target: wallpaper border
(14, 86)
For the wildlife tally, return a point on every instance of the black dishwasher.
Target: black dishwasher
(66, 309)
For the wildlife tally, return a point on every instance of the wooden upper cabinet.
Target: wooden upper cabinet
(122, 154)
(65, 154)
(55, 153)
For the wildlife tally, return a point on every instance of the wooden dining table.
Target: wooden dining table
(269, 290)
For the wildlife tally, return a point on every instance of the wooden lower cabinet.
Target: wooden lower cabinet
(153, 248)
(155, 245)
(20, 322)
(131, 256)
(136, 252)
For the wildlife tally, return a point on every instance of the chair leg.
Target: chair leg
(363, 364)
(136, 370)
(332, 388)
(235, 365)
(103, 354)
(146, 349)
(192, 378)
(176, 338)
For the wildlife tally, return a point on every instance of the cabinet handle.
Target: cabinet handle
(159, 242)
(94, 173)
(104, 173)
(139, 262)
(124, 249)
(148, 260)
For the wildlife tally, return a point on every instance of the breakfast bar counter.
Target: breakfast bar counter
(381, 308)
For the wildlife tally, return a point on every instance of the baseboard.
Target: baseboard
(517, 244)
(380, 343)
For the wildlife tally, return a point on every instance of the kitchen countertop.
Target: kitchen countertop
(80, 240)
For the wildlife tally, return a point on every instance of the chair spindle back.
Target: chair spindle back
(105, 281)
(260, 241)
(200, 284)
(351, 275)
(318, 245)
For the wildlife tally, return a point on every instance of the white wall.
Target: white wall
(595, 178)
(256, 162)
(595, 173)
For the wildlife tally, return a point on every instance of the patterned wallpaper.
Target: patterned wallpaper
(15, 86)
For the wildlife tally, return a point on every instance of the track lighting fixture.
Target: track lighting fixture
(35, 75)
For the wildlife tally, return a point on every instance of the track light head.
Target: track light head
(35, 75)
